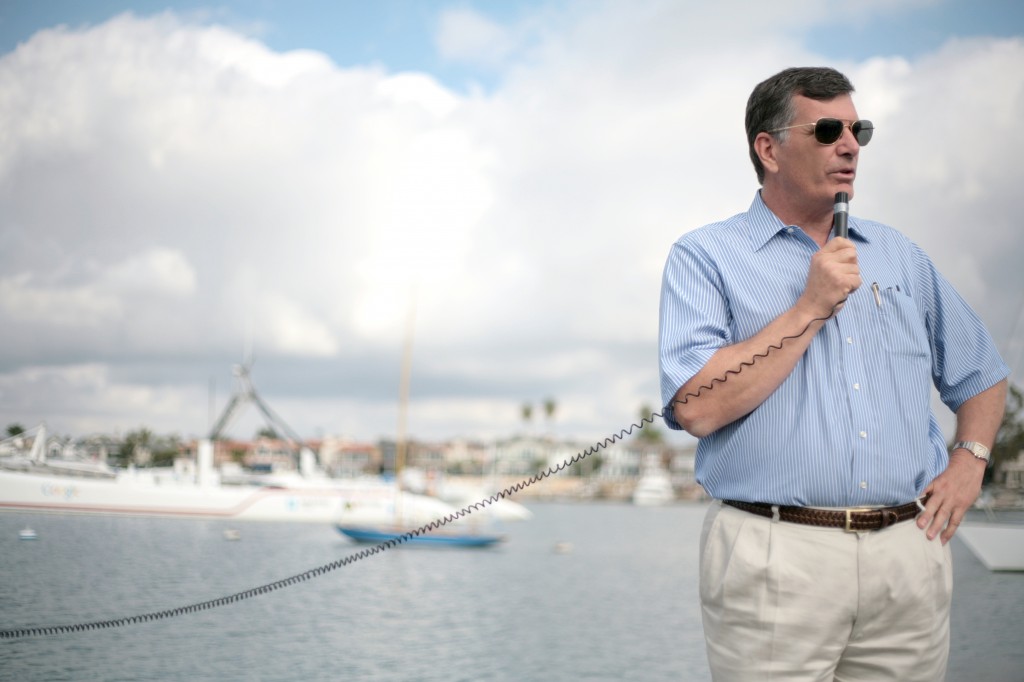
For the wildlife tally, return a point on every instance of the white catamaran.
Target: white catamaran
(39, 481)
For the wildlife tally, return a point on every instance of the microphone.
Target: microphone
(841, 214)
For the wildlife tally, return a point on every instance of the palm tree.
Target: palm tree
(549, 410)
(527, 412)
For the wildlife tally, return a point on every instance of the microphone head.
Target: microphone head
(842, 198)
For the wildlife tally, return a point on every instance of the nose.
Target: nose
(847, 144)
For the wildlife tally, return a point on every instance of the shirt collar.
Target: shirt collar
(764, 224)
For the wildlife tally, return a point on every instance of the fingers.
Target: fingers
(925, 518)
(940, 520)
(842, 248)
(834, 275)
(837, 243)
(954, 523)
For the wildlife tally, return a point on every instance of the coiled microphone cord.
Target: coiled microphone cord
(21, 633)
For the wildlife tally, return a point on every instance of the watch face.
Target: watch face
(976, 449)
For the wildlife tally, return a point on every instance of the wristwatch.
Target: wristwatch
(976, 449)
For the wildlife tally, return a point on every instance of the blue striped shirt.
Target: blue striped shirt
(852, 424)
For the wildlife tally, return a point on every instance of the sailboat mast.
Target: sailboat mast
(403, 401)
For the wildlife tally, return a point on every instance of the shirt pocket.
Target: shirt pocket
(900, 327)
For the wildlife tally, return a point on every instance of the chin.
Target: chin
(842, 187)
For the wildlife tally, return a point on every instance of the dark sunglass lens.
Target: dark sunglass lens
(828, 130)
(863, 130)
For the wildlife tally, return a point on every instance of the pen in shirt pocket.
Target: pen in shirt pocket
(876, 291)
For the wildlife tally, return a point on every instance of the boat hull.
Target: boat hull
(437, 539)
(142, 494)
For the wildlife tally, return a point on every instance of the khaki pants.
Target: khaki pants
(782, 601)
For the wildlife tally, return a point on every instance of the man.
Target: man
(803, 363)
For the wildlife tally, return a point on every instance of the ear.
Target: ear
(766, 148)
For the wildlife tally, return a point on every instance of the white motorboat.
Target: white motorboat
(654, 487)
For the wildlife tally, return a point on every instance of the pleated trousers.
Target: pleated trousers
(783, 601)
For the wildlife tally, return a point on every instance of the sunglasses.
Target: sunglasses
(829, 130)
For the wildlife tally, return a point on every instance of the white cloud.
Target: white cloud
(418, 90)
(80, 399)
(172, 190)
(158, 271)
(293, 331)
(464, 34)
(942, 166)
(25, 303)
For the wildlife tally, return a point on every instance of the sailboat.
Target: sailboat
(410, 518)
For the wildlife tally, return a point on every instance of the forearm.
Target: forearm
(978, 419)
(736, 387)
(955, 489)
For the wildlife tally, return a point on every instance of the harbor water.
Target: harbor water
(580, 592)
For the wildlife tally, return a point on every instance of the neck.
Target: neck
(813, 219)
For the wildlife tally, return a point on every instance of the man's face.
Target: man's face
(811, 172)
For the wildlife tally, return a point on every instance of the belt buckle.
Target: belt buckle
(849, 517)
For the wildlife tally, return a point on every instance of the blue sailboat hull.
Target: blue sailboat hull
(374, 535)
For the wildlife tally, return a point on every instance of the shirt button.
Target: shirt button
(789, 230)
(863, 434)
(856, 387)
(849, 339)
(863, 485)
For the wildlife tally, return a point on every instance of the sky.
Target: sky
(313, 185)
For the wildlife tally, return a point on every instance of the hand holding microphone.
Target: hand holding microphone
(834, 273)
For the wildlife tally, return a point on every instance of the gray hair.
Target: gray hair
(770, 105)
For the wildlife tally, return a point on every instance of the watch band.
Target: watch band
(977, 449)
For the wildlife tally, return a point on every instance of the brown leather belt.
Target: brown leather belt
(851, 520)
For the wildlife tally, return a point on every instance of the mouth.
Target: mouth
(845, 174)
